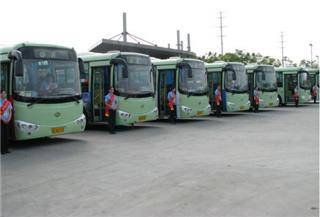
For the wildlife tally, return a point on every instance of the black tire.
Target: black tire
(280, 101)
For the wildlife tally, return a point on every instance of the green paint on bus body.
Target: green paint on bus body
(131, 109)
(235, 100)
(189, 104)
(140, 110)
(198, 104)
(42, 120)
(290, 77)
(33, 118)
(268, 96)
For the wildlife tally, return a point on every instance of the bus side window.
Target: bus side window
(279, 79)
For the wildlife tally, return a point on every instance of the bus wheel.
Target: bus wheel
(280, 101)
(86, 115)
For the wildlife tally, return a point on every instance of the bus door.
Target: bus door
(290, 82)
(100, 86)
(166, 83)
(251, 85)
(214, 79)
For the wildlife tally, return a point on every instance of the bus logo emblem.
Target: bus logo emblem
(142, 106)
(57, 114)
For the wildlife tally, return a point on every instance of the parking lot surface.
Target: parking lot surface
(243, 164)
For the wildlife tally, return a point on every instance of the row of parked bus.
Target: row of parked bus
(141, 84)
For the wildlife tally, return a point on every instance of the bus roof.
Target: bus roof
(251, 67)
(290, 69)
(6, 49)
(172, 61)
(107, 56)
(221, 64)
(312, 70)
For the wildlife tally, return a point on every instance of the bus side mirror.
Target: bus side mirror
(16, 57)
(81, 66)
(117, 61)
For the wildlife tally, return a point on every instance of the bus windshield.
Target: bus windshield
(139, 80)
(194, 82)
(266, 78)
(236, 79)
(45, 78)
(304, 80)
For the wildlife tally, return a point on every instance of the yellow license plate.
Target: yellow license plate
(57, 130)
(142, 118)
(199, 113)
(270, 104)
(241, 107)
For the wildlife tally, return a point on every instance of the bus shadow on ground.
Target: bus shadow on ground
(43, 142)
(105, 127)
(233, 114)
(182, 121)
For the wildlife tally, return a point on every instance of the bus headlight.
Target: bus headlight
(124, 115)
(81, 120)
(26, 127)
(209, 107)
(248, 103)
(155, 110)
(186, 109)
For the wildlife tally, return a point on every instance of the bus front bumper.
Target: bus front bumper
(26, 130)
(125, 118)
(233, 107)
(187, 113)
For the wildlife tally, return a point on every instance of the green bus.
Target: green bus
(314, 78)
(131, 75)
(233, 79)
(43, 83)
(188, 77)
(263, 77)
(289, 79)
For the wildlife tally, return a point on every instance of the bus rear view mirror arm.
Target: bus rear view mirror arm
(16, 57)
(81, 66)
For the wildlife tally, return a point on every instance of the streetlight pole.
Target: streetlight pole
(311, 54)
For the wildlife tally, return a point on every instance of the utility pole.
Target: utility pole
(178, 39)
(282, 50)
(311, 54)
(221, 31)
(125, 33)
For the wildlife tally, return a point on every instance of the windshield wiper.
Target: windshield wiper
(35, 101)
(69, 95)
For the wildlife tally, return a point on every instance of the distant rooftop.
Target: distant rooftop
(106, 45)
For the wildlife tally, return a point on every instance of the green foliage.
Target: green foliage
(241, 56)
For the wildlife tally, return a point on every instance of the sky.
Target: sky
(252, 26)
